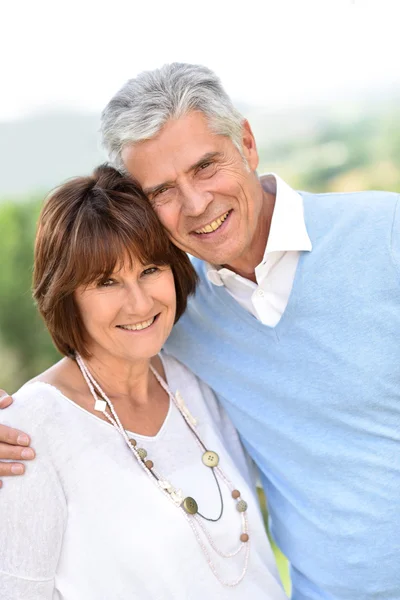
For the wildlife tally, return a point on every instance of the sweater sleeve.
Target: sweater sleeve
(395, 236)
(32, 521)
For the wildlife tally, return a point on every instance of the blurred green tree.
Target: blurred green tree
(25, 346)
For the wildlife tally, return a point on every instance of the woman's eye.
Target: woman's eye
(150, 271)
(204, 166)
(106, 282)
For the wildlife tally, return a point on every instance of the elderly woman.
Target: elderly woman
(141, 488)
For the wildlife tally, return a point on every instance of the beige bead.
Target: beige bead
(132, 442)
(244, 537)
(142, 453)
(149, 464)
(210, 459)
(235, 494)
(190, 505)
(241, 506)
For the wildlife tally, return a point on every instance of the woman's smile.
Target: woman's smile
(144, 325)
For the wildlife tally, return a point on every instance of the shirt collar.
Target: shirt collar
(288, 230)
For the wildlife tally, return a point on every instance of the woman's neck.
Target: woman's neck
(123, 381)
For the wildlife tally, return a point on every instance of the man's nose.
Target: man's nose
(194, 200)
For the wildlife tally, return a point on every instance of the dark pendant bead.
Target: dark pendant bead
(190, 505)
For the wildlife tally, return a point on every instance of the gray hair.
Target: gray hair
(144, 104)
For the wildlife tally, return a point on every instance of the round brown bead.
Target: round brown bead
(235, 494)
(149, 464)
(132, 442)
(244, 537)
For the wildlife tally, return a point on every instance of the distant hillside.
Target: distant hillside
(39, 152)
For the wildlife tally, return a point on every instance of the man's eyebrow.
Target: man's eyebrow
(206, 157)
(152, 190)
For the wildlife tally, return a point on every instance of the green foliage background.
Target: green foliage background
(347, 151)
(25, 347)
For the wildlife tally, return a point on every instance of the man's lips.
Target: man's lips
(213, 226)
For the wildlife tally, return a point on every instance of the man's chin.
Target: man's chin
(215, 258)
(211, 252)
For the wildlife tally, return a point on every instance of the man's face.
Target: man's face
(203, 192)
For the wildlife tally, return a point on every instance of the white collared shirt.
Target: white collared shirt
(267, 299)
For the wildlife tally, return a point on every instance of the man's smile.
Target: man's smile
(213, 225)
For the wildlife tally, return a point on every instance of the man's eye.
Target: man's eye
(204, 166)
(161, 196)
(160, 191)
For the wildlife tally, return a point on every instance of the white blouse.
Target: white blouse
(86, 523)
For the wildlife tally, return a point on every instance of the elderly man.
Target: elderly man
(295, 325)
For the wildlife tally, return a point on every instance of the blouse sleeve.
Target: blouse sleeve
(32, 521)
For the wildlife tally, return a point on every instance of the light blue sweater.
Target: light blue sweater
(316, 399)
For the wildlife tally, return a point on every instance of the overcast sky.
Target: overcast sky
(77, 53)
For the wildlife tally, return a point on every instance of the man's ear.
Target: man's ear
(249, 146)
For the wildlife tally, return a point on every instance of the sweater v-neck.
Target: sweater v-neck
(277, 330)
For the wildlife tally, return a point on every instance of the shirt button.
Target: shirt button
(260, 293)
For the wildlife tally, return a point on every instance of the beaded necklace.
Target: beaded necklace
(187, 505)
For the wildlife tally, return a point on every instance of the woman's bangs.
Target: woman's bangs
(104, 253)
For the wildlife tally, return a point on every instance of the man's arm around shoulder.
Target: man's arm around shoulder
(14, 444)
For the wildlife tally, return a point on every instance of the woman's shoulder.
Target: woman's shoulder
(43, 392)
(32, 403)
(180, 377)
(37, 391)
(173, 366)
(40, 400)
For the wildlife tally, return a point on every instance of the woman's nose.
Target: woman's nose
(139, 301)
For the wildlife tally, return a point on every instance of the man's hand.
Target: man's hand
(14, 445)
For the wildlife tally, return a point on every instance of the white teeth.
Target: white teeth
(214, 225)
(138, 326)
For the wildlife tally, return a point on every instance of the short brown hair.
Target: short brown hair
(85, 229)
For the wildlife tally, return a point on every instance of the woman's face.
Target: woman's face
(130, 315)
